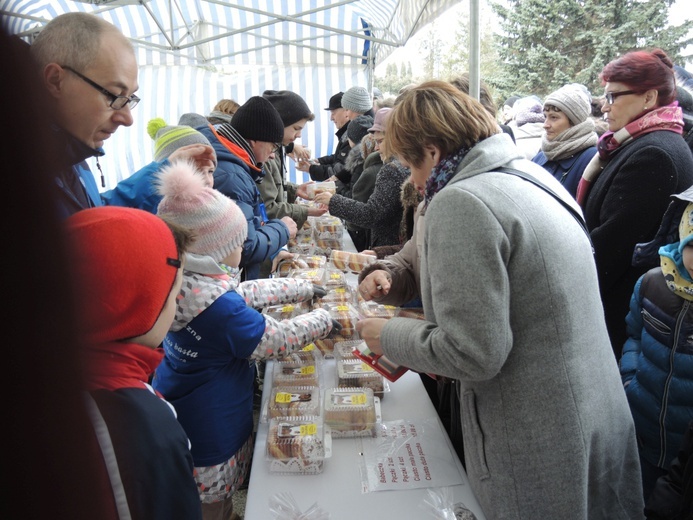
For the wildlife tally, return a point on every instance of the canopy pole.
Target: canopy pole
(474, 50)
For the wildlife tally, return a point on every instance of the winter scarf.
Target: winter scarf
(117, 364)
(571, 141)
(669, 118)
(441, 175)
(675, 273)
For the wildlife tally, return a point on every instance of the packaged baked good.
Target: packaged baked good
(326, 346)
(354, 373)
(293, 401)
(296, 445)
(345, 349)
(346, 315)
(288, 310)
(292, 372)
(315, 188)
(340, 295)
(316, 276)
(354, 262)
(328, 226)
(302, 244)
(314, 261)
(350, 412)
(289, 264)
(335, 278)
(371, 309)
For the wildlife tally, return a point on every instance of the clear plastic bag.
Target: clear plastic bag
(284, 507)
(440, 504)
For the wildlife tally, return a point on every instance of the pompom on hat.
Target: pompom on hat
(167, 139)
(217, 222)
(573, 100)
(258, 120)
(291, 107)
(125, 261)
(357, 99)
(529, 110)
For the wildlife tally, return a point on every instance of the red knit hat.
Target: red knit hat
(125, 263)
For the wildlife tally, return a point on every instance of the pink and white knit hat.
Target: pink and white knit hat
(217, 222)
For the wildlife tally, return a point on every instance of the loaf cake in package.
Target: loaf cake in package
(296, 445)
(350, 412)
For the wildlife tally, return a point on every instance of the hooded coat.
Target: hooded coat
(511, 299)
(236, 178)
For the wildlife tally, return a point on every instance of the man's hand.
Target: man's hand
(302, 191)
(304, 166)
(282, 255)
(291, 224)
(376, 285)
(300, 153)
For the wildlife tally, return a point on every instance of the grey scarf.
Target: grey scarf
(570, 142)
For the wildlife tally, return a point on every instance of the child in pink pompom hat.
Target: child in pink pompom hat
(208, 370)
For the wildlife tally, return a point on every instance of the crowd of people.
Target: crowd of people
(556, 348)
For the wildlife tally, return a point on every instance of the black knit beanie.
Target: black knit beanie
(290, 106)
(358, 128)
(257, 120)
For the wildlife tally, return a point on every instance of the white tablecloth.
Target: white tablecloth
(338, 488)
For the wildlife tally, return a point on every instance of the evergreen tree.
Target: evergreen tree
(544, 45)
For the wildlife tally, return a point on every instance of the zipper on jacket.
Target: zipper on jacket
(670, 375)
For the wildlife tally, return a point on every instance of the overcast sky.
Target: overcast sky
(447, 24)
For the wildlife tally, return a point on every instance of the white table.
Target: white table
(338, 488)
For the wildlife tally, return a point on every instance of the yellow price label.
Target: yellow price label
(367, 368)
(342, 308)
(358, 398)
(309, 429)
(309, 347)
(340, 290)
(282, 397)
(310, 369)
(288, 308)
(336, 276)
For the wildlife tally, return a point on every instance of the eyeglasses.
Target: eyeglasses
(611, 96)
(116, 102)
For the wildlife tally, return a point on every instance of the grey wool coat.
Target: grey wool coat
(510, 292)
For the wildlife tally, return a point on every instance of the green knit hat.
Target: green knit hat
(167, 139)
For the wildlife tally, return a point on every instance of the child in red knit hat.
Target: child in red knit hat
(208, 371)
(129, 267)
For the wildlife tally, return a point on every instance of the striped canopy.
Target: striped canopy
(192, 53)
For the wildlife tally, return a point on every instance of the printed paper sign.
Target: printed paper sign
(408, 455)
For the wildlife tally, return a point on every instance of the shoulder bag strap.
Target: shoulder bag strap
(538, 183)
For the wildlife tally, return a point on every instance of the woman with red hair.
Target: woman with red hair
(642, 160)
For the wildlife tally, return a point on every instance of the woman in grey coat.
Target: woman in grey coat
(513, 312)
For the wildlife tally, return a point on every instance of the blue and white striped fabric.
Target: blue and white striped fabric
(192, 53)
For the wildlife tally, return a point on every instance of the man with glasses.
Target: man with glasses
(89, 72)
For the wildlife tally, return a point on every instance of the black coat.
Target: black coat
(332, 164)
(625, 207)
(672, 497)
